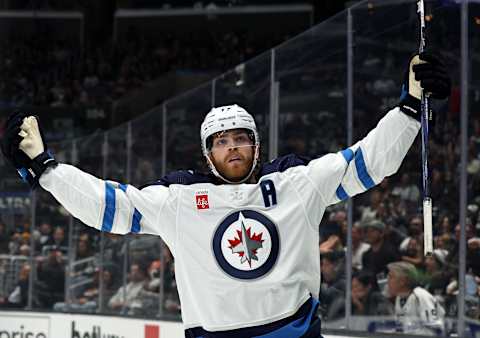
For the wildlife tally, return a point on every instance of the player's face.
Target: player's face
(232, 154)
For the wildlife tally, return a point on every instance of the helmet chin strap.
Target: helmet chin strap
(217, 174)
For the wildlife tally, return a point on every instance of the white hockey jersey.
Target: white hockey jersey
(246, 254)
(420, 313)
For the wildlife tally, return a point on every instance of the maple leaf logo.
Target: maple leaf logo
(246, 245)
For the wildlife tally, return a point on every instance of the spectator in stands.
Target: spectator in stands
(445, 225)
(370, 211)
(155, 272)
(414, 252)
(367, 300)
(17, 240)
(407, 191)
(381, 252)
(438, 273)
(332, 266)
(395, 231)
(128, 297)
(414, 229)
(114, 249)
(88, 300)
(165, 282)
(24, 250)
(84, 249)
(18, 298)
(4, 239)
(416, 310)
(340, 218)
(359, 247)
(43, 236)
(59, 238)
(473, 252)
(399, 212)
(331, 233)
(51, 278)
(331, 244)
(85, 264)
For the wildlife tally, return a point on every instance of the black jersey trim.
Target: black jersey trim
(189, 177)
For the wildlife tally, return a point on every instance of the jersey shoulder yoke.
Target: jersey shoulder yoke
(283, 163)
(184, 177)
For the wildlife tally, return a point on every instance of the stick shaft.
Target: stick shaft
(425, 104)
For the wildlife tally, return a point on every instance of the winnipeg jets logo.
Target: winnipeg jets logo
(246, 244)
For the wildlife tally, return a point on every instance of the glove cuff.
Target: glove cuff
(37, 167)
(412, 106)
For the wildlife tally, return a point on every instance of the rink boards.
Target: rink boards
(53, 325)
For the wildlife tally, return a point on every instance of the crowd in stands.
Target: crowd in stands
(77, 4)
(388, 229)
(42, 72)
(150, 272)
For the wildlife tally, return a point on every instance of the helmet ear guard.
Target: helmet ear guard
(223, 119)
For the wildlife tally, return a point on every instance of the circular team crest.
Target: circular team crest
(246, 244)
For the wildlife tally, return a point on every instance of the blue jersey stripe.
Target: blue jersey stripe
(23, 173)
(341, 193)
(109, 212)
(362, 171)
(347, 154)
(295, 329)
(137, 216)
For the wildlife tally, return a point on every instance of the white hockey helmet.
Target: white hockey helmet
(227, 118)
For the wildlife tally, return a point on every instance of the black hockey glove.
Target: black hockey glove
(23, 146)
(425, 71)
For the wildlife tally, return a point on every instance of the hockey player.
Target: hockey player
(416, 310)
(244, 237)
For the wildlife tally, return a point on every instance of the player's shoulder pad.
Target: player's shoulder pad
(184, 177)
(282, 163)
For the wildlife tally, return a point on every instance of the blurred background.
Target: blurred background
(121, 88)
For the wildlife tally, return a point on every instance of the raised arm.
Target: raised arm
(382, 151)
(105, 205)
(378, 155)
(111, 206)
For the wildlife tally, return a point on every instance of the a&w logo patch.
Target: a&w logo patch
(201, 200)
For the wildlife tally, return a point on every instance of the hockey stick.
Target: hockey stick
(427, 201)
